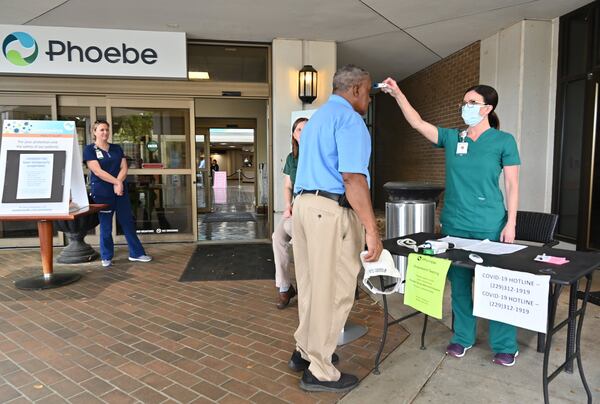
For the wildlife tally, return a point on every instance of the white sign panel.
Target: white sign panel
(92, 52)
(35, 176)
(511, 297)
(40, 166)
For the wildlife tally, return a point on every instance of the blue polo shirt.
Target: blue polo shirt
(109, 162)
(335, 140)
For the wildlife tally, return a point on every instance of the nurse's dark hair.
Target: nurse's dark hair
(295, 145)
(490, 97)
(99, 122)
(347, 76)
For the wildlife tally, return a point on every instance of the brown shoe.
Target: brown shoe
(285, 297)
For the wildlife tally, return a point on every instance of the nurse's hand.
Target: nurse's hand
(508, 234)
(118, 188)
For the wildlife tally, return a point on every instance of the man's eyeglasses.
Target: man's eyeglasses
(470, 104)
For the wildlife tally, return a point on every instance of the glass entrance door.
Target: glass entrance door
(156, 142)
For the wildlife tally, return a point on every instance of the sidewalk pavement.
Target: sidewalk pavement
(411, 375)
(134, 334)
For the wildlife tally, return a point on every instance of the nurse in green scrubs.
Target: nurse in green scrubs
(473, 204)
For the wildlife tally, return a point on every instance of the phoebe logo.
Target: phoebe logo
(19, 48)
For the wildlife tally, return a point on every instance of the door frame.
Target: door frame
(190, 171)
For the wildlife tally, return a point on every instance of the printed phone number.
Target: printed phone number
(509, 307)
(511, 289)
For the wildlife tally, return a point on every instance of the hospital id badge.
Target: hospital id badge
(99, 154)
(462, 148)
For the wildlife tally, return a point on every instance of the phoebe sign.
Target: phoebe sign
(92, 52)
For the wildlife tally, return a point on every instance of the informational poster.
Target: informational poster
(511, 297)
(40, 166)
(35, 176)
(425, 281)
(220, 178)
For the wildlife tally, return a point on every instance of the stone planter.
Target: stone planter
(77, 251)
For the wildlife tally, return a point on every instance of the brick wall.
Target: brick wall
(400, 152)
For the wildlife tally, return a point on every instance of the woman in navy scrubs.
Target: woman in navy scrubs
(108, 171)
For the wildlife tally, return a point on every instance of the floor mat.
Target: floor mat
(229, 217)
(230, 262)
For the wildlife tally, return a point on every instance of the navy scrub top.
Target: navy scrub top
(110, 162)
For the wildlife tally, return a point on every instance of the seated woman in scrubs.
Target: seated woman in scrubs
(283, 232)
(473, 203)
(108, 171)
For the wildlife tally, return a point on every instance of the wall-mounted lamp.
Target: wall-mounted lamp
(307, 84)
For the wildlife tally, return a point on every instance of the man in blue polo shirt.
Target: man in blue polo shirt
(331, 207)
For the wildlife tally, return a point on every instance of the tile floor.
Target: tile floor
(135, 334)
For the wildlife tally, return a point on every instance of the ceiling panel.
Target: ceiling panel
(393, 54)
(240, 20)
(410, 13)
(447, 37)
(364, 37)
(19, 12)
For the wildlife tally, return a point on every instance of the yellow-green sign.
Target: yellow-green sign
(425, 281)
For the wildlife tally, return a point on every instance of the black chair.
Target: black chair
(538, 228)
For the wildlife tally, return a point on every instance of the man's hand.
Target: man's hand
(374, 247)
(287, 212)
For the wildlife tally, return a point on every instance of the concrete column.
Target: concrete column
(288, 57)
(520, 63)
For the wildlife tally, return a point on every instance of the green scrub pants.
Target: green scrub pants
(502, 337)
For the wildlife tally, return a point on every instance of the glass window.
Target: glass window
(576, 44)
(81, 116)
(570, 172)
(161, 204)
(597, 38)
(22, 229)
(229, 62)
(153, 137)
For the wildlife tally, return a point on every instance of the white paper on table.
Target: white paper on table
(494, 248)
(460, 242)
(35, 176)
(511, 297)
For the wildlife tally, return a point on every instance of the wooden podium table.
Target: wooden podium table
(49, 279)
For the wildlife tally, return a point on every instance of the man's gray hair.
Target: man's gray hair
(348, 76)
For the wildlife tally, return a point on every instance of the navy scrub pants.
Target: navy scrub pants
(122, 206)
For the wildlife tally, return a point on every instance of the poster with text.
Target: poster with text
(425, 281)
(511, 297)
(40, 165)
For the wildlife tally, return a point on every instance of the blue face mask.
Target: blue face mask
(470, 114)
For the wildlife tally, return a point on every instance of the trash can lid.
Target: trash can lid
(413, 191)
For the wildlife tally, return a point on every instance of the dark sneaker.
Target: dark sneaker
(457, 350)
(298, 364)
(346, 382)
(505, 359)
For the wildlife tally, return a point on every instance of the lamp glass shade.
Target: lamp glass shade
(307, 84)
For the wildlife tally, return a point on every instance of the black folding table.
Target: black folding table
(581, 265)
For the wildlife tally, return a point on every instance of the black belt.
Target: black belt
(330, 195)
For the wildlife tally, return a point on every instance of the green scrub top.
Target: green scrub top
(473, 200)
(290, 168)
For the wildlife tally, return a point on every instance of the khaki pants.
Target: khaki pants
(327, 242)
(281, 240)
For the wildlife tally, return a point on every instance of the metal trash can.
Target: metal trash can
(410, 209)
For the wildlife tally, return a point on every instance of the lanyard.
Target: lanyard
(462, 147)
